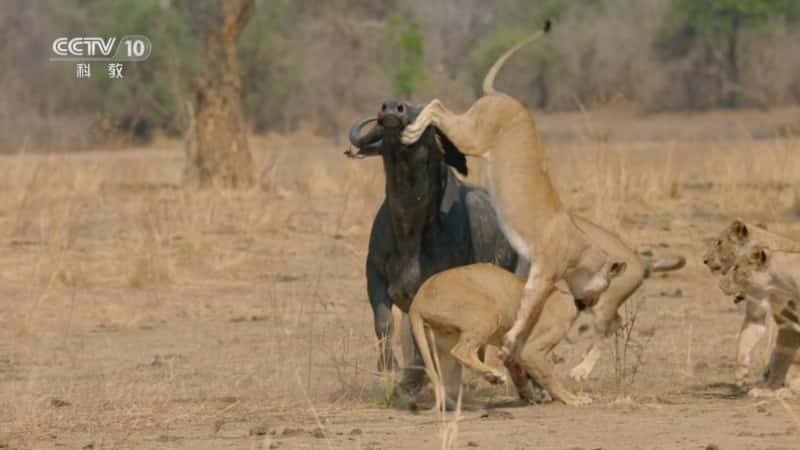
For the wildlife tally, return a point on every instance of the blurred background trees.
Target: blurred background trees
(714, 29)
(408, 70)
(315, 65)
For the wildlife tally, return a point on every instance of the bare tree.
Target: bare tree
(217, 151)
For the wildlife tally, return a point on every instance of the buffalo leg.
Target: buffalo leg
(382, 316)
(414, 373)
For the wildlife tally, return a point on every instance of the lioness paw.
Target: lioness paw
(580, 372)
(414, 130)
(495, 378)
(782, 393)
(578, 400)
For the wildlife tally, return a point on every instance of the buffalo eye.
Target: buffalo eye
(400, 108)
(383, 107)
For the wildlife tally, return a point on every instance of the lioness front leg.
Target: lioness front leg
(430, 115)
(753, 329)
(458, 128)
(540, 285)
(604, 329)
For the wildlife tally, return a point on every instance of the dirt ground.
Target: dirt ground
(135, 314)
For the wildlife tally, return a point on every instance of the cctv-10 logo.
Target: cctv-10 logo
(129, 48)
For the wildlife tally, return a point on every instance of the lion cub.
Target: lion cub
(719, 258)
(761, 273)
(469, 306)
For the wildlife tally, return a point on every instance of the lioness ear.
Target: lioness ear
(739, 229)
(617, 269)
(759, 256)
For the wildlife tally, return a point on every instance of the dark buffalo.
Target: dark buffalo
(429, 221)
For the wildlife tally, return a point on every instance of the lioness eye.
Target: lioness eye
(719, 243)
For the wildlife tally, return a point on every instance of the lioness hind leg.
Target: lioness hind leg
(793, 375)
(786, 347)
(533, 358)
(466, 351)
(449, 368)
(527, 388)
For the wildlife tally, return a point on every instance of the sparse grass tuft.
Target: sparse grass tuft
(627, 352)
(389, 391)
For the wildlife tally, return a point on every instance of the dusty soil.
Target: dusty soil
(134, 314)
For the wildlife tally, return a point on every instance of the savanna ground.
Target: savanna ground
(135, 314)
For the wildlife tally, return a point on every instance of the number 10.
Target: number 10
(135, 48)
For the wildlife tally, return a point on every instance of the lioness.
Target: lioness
(720, 257)
(763, 273)
(470, 306)
(500, 129)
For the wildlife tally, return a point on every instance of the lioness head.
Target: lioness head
(721, 254)
(587, 286)
(748, 273)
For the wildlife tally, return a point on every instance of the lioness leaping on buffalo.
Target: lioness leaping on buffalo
(501, 130)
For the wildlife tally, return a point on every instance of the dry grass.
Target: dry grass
(149, 307)
(628, 353)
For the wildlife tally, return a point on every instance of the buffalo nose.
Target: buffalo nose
(390, 120)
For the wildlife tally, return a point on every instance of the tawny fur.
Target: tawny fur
(500, 129)
(720, 257)
(473, 305)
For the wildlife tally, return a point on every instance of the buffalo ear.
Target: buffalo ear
(452, 155)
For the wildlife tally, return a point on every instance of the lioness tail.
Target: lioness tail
(488, 81)
(664, 264)
(418, 330)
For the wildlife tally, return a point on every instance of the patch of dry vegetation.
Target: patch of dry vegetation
(122, 287)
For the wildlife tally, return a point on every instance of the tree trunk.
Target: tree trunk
(217, 152)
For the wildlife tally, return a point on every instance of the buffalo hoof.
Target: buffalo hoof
(534, 395)
(413, 381)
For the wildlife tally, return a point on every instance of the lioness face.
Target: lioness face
(748, 275)
(721, 254)
(587, 286)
